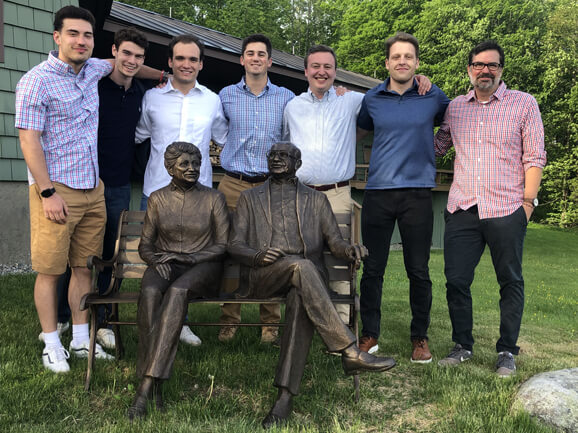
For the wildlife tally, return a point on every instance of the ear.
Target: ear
(269, 62)
(56, 37)
(298, 164)
(114, 51)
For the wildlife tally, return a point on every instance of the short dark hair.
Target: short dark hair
(74, 13)
(176, 149)
(130, 34)
(187, 39)
(320, 49)
(401, 37)
(488, 45)
(257, 37)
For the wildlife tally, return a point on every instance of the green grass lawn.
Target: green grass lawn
(228, 387)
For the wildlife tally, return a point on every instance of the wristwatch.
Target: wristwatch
(47, 192)
(532, 201)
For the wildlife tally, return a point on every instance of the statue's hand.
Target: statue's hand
(265, 258)
(165, 257)
(357, 253)
(164, 270)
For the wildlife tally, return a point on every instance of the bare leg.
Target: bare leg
(45, 301)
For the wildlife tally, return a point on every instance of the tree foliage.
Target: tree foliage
(539, 37)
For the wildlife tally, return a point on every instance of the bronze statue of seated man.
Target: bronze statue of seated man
(184, 240)
(278, 235)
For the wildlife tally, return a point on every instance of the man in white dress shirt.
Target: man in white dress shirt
(183, 110)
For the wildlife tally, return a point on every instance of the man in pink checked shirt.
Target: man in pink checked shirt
(499, 142)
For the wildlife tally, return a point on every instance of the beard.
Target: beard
(484, 85)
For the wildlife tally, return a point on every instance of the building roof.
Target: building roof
(165, 28)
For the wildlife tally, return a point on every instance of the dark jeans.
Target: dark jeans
(117, 199)
(466, 236)
(412, 209)
(62, 294)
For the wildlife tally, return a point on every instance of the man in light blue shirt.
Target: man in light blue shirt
(254, 108)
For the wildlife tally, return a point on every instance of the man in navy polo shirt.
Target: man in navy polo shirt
(401, 176)
(120, 97)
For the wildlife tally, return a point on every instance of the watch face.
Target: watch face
(535, 202)
(47, 192)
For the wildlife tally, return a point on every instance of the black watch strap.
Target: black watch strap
(49, 192)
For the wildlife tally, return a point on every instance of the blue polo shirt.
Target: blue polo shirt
(402, 154)
(119, 113)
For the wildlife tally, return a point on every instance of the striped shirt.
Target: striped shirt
(255, 124)
(63, 105)
(495, 143)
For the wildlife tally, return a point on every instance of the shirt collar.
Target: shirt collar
(62, 68)
(289, 181)
(175, 187)
(243, 86)
(330, 94)
(498, 94)
(383, 87)
(169, 87)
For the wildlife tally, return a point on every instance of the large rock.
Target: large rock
(553, 398)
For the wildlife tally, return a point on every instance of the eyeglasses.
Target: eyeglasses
(281, 154)
(478, 66)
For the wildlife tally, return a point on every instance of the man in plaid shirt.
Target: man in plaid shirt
(498, 137)
(57, 117)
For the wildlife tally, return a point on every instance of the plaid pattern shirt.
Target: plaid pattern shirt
(255, 124)
(63, 105)
(495, 142)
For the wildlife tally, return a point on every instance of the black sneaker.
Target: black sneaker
(456, 356)
(506, 366)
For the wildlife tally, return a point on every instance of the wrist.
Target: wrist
(530, 201)
(48, 192)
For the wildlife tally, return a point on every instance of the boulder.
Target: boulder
(552, 397)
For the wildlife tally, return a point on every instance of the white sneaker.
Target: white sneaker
(105, 337)
(61, 328)
(81, 351)
(189, 337)
(55, 360)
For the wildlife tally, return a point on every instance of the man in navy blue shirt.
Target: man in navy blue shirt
(401, 176)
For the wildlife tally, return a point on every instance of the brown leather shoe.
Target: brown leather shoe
(421, 353)
(368, 344)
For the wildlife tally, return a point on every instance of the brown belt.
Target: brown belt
(330, 186)
(245, 178)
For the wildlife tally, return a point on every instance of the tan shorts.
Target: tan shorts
(54, 245)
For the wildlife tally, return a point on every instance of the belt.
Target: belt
(330, 186)
(245, 178)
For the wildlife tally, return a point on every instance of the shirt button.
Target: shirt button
(481, 123)
(478, 177)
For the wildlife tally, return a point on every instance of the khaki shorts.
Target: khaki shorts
(54, 245)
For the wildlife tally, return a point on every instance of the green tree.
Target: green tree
(559, 102)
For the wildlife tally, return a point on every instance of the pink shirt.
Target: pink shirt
(495, 143)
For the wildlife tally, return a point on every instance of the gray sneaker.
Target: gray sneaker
(506, 366)
(456, 356)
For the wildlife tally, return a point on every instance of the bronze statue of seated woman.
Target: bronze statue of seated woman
(183, 241)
